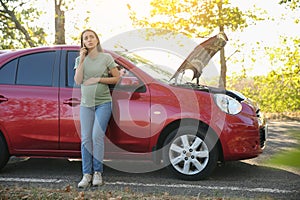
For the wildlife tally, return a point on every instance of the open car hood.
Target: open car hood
(201, 55)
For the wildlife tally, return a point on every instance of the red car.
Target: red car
(156, 115)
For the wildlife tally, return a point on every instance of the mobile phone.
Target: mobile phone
(86, 49)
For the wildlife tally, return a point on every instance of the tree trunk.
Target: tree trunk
(222, 80)
(59, 23)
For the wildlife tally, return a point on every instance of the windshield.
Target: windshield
(163, 73)
(159, 72)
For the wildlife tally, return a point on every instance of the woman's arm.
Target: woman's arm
(105, 80)
(111, 80)
(78, 77)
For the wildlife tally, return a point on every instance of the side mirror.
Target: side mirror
(130, 84)
(129, 81)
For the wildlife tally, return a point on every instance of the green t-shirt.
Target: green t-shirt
(96, 94)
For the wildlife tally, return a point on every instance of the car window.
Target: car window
(71, 56)
(8, 72)
(136, 87)
(36, 69)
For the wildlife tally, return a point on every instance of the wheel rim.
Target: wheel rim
(188, 154)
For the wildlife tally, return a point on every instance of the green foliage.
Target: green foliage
(193, 18)
(293, 4)
(17, 28)
(279, 91)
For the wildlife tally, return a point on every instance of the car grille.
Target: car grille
(263, 132)
(263, 136)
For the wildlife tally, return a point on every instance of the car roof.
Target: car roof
(6, 55)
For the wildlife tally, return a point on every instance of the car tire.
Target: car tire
(4, 155)
(190, 153)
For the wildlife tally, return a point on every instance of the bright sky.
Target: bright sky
(110, 19)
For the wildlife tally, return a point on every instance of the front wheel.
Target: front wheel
(190, 155)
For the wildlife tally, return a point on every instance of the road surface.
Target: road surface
(246, 179)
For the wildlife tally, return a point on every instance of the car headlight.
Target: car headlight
(228, 104)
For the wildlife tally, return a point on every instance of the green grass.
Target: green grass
(288, 158)
(28, 193)
(69, 193)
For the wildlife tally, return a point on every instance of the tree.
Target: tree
(16, 22)
(61, 9)
(293, 4)
(195, 18)
(286, 79)
(279, 90)
(59, 22)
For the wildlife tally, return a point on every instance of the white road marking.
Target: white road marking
(31, 180)
(259, 189)
(264, 190)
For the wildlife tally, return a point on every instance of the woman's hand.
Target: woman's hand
(91, 81)
(83, 52)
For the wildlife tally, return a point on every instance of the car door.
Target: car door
(29, 102)
(129, 128)
(69, 103)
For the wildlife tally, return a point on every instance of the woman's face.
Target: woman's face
(90, 40)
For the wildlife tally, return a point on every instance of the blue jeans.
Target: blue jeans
(93, 121)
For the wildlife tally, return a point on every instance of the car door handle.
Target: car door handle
(3, 99)
(72, 102)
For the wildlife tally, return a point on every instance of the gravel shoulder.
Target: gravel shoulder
(281, 138)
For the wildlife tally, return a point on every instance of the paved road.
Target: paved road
(246, 179)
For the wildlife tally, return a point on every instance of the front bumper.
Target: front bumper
(245, 138)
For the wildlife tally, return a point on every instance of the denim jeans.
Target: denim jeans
(93, 121)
